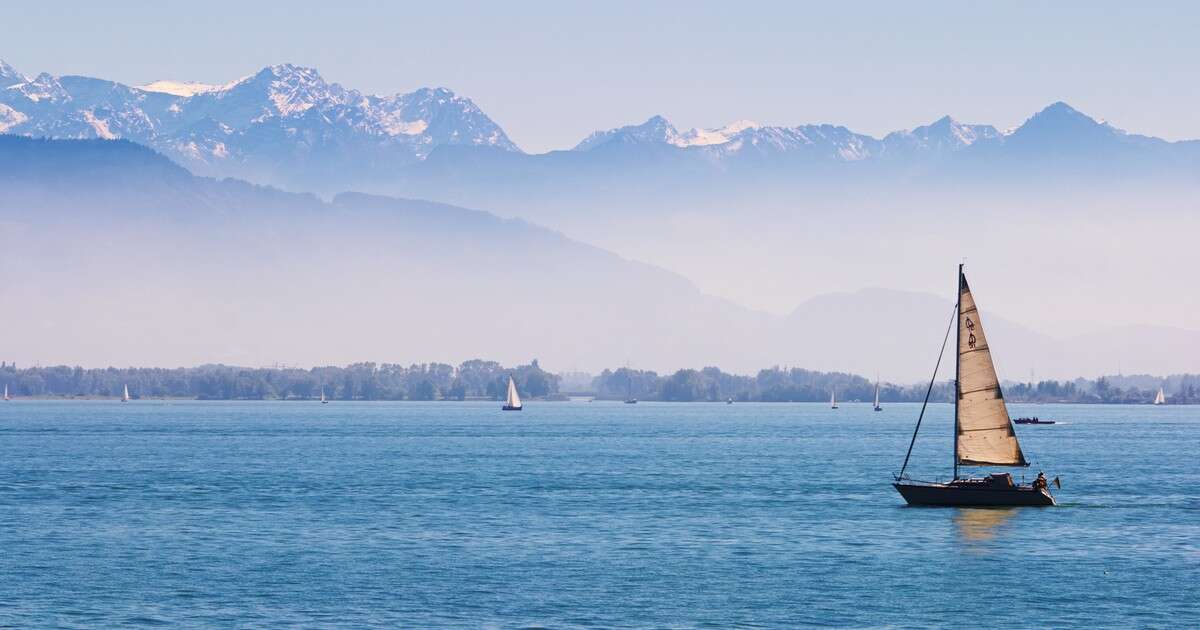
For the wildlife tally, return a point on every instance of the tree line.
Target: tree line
(775, 384)
(359, 381)
(479, 379)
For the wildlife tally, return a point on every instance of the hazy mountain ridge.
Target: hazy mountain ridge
(152, 265)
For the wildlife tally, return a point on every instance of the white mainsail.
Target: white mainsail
(1161, 398)
(6, 393)
(833, 399)
(513, 399)
(876, 394)
(985, 435)
(323, 395)
(125, 394)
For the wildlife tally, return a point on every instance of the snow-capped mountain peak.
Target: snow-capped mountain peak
(10, 76)
(656, 130)
(43, 87)
(179, 88)
(706, 137)
(942, 135)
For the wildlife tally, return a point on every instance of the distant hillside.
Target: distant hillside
(112, 255)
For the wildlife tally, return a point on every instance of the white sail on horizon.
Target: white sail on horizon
(833, 399)
(125, 395)
(985, 435)
(1161, 398)
(6, 393)
(876, 394)
(513, 400)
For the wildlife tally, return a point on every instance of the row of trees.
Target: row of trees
(794, 384)
(771, 385)
(1183, 389)
(360, 381)
(489, 379)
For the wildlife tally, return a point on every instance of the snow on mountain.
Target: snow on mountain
(10, 118)
(178, 88)
(705, 137)
(279, 125)
(656, 130)
(10, 76)
(943, 135)
(742, 137)
(1055, 130)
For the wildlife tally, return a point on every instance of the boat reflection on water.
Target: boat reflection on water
(975, 525)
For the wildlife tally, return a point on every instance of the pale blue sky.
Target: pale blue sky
(552, 72)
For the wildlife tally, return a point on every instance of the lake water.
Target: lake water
(580, 515)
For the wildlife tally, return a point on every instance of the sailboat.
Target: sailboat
(833, 399)
(125, 395)
(877, 407)
(324, 401)
(513, 401)
(6, 396)
(629, 399)
(1160, 399)
(983, 433)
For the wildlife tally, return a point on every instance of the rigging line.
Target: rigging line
(929, 391)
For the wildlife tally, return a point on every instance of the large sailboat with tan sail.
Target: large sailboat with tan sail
(983, 433)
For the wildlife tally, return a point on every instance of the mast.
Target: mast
(957, 360)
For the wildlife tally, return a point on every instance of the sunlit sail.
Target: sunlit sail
(6, 396)
(125, 395)
(983, 433)
(833, 399)
(877, 407)
(1161, 398)
(323, 399)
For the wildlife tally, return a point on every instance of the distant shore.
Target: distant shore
(573, 399)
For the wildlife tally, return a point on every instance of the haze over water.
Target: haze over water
(576, 514)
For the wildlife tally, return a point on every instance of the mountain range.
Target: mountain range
(287, 126)
(115, 255)
(283, 124)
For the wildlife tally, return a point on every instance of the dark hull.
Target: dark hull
(1034, 421)
(509, 408)
(972, 495)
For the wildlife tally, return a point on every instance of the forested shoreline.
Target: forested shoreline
(479, 379)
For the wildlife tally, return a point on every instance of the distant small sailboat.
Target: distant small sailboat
(125, 395)
(513, 401)
(6, 396)
(983, 433)
(877, 407)
(629, 399)
(324, 401)
(1160, 399)
(730, 401)
(833, 399)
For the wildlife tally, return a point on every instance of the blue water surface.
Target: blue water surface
(580, 515)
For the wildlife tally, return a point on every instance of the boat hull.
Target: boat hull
(978, 495)
(510, 408)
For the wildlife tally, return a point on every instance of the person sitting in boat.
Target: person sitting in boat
(1040, 483)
